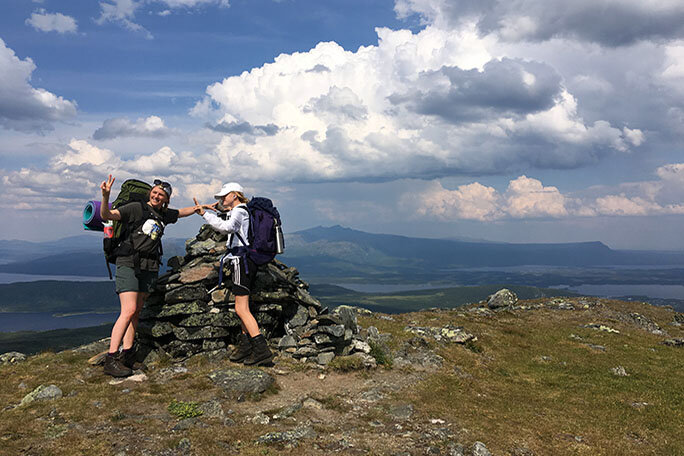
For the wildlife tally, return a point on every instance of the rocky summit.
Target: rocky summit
(191, 313)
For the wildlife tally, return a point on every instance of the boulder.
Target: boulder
(42, 393)
(502, 299)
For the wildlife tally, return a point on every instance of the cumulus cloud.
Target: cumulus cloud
(23, 107)
(425, 104)
(607, 22)
(52, 22)
(151, 126)
(243, 128)
(73, 176)
(527, 198)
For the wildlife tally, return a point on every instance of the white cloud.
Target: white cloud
(527, 198)
(152, 126)
(52, 22)
(23, 107)
(83, 153)
(428, 104)
(122, 12)
(194, 3)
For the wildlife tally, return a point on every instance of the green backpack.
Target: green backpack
(131, 190)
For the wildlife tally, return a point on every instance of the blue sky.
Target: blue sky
(437, 118)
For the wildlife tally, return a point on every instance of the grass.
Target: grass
(525, 382)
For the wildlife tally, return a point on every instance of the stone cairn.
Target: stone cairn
(184, 316)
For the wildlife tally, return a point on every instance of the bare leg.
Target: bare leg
(246, 317)
(129, 336)
(128, 301)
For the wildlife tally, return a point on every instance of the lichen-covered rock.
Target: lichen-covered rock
(12, 357)
(501, 299)
(42, 393)
(237, 381)
(302, 432)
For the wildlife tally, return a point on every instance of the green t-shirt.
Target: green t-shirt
(147, 237)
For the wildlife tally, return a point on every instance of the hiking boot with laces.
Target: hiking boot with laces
(114, 366)
(242, 350)
(261, 354)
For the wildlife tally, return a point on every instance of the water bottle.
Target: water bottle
(108, 229)
(279, 238)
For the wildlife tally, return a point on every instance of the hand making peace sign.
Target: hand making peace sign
(106, 186)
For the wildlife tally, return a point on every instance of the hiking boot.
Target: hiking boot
(128, 358)
(242, 350)
(115, 367)
(261, 354)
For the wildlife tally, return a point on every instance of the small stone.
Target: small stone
(619, 371)
(401, 411)
(287, 341)
(260, 418)
(292, 436)
(678, 342)
(479, 449)
(184, 444)
(312, 404)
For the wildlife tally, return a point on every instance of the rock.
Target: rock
(301, 432)
(619, 371)
(324, 358)
(347, 317)
(600, 327)
(287, 411)
(42, 393)
(260, 418)
(138, 378)
(300, 317)
(597, 347)
(196, 274)
(187, 293)
(479, 449)
(312, 404)
(360, 346)
(212, 409)
(502, 299)
(287, 342)
(12, 357)
(677, 342)
(238, 381)
(93, 348)
(401, 411)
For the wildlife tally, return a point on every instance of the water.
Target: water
(42, 321)
(390, 288)
(652, 291)
(9, 277)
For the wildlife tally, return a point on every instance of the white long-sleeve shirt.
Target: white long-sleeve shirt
(237, 221)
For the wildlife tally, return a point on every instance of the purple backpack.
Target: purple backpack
(265, 233)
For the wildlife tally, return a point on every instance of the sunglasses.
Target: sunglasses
(164, 185)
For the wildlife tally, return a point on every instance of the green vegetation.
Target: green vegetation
(381, 354)
(409, 301)
(58, 297)
(182, 410)
(30, 342)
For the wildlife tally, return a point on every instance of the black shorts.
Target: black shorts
(244, 275)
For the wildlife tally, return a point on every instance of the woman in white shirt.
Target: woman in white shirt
(252, 348)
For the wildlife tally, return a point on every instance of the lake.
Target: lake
(9, 277)
(41, 321)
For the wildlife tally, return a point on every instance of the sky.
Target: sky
(514, 121)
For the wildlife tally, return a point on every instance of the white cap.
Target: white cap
(229, 187)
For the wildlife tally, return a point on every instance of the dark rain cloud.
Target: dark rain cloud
(244, 128)
(504, 88)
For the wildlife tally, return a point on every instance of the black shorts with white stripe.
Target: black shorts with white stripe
(244, 275)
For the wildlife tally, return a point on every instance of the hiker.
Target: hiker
(136, 273)
(252, 348)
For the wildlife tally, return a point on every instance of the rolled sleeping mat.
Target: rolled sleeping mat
(91, 216)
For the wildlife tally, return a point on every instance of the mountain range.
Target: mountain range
(322, 253)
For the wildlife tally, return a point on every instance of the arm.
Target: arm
(187, 211)
(105, 212)
(231, 225)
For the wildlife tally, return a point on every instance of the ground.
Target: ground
(569, 376)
